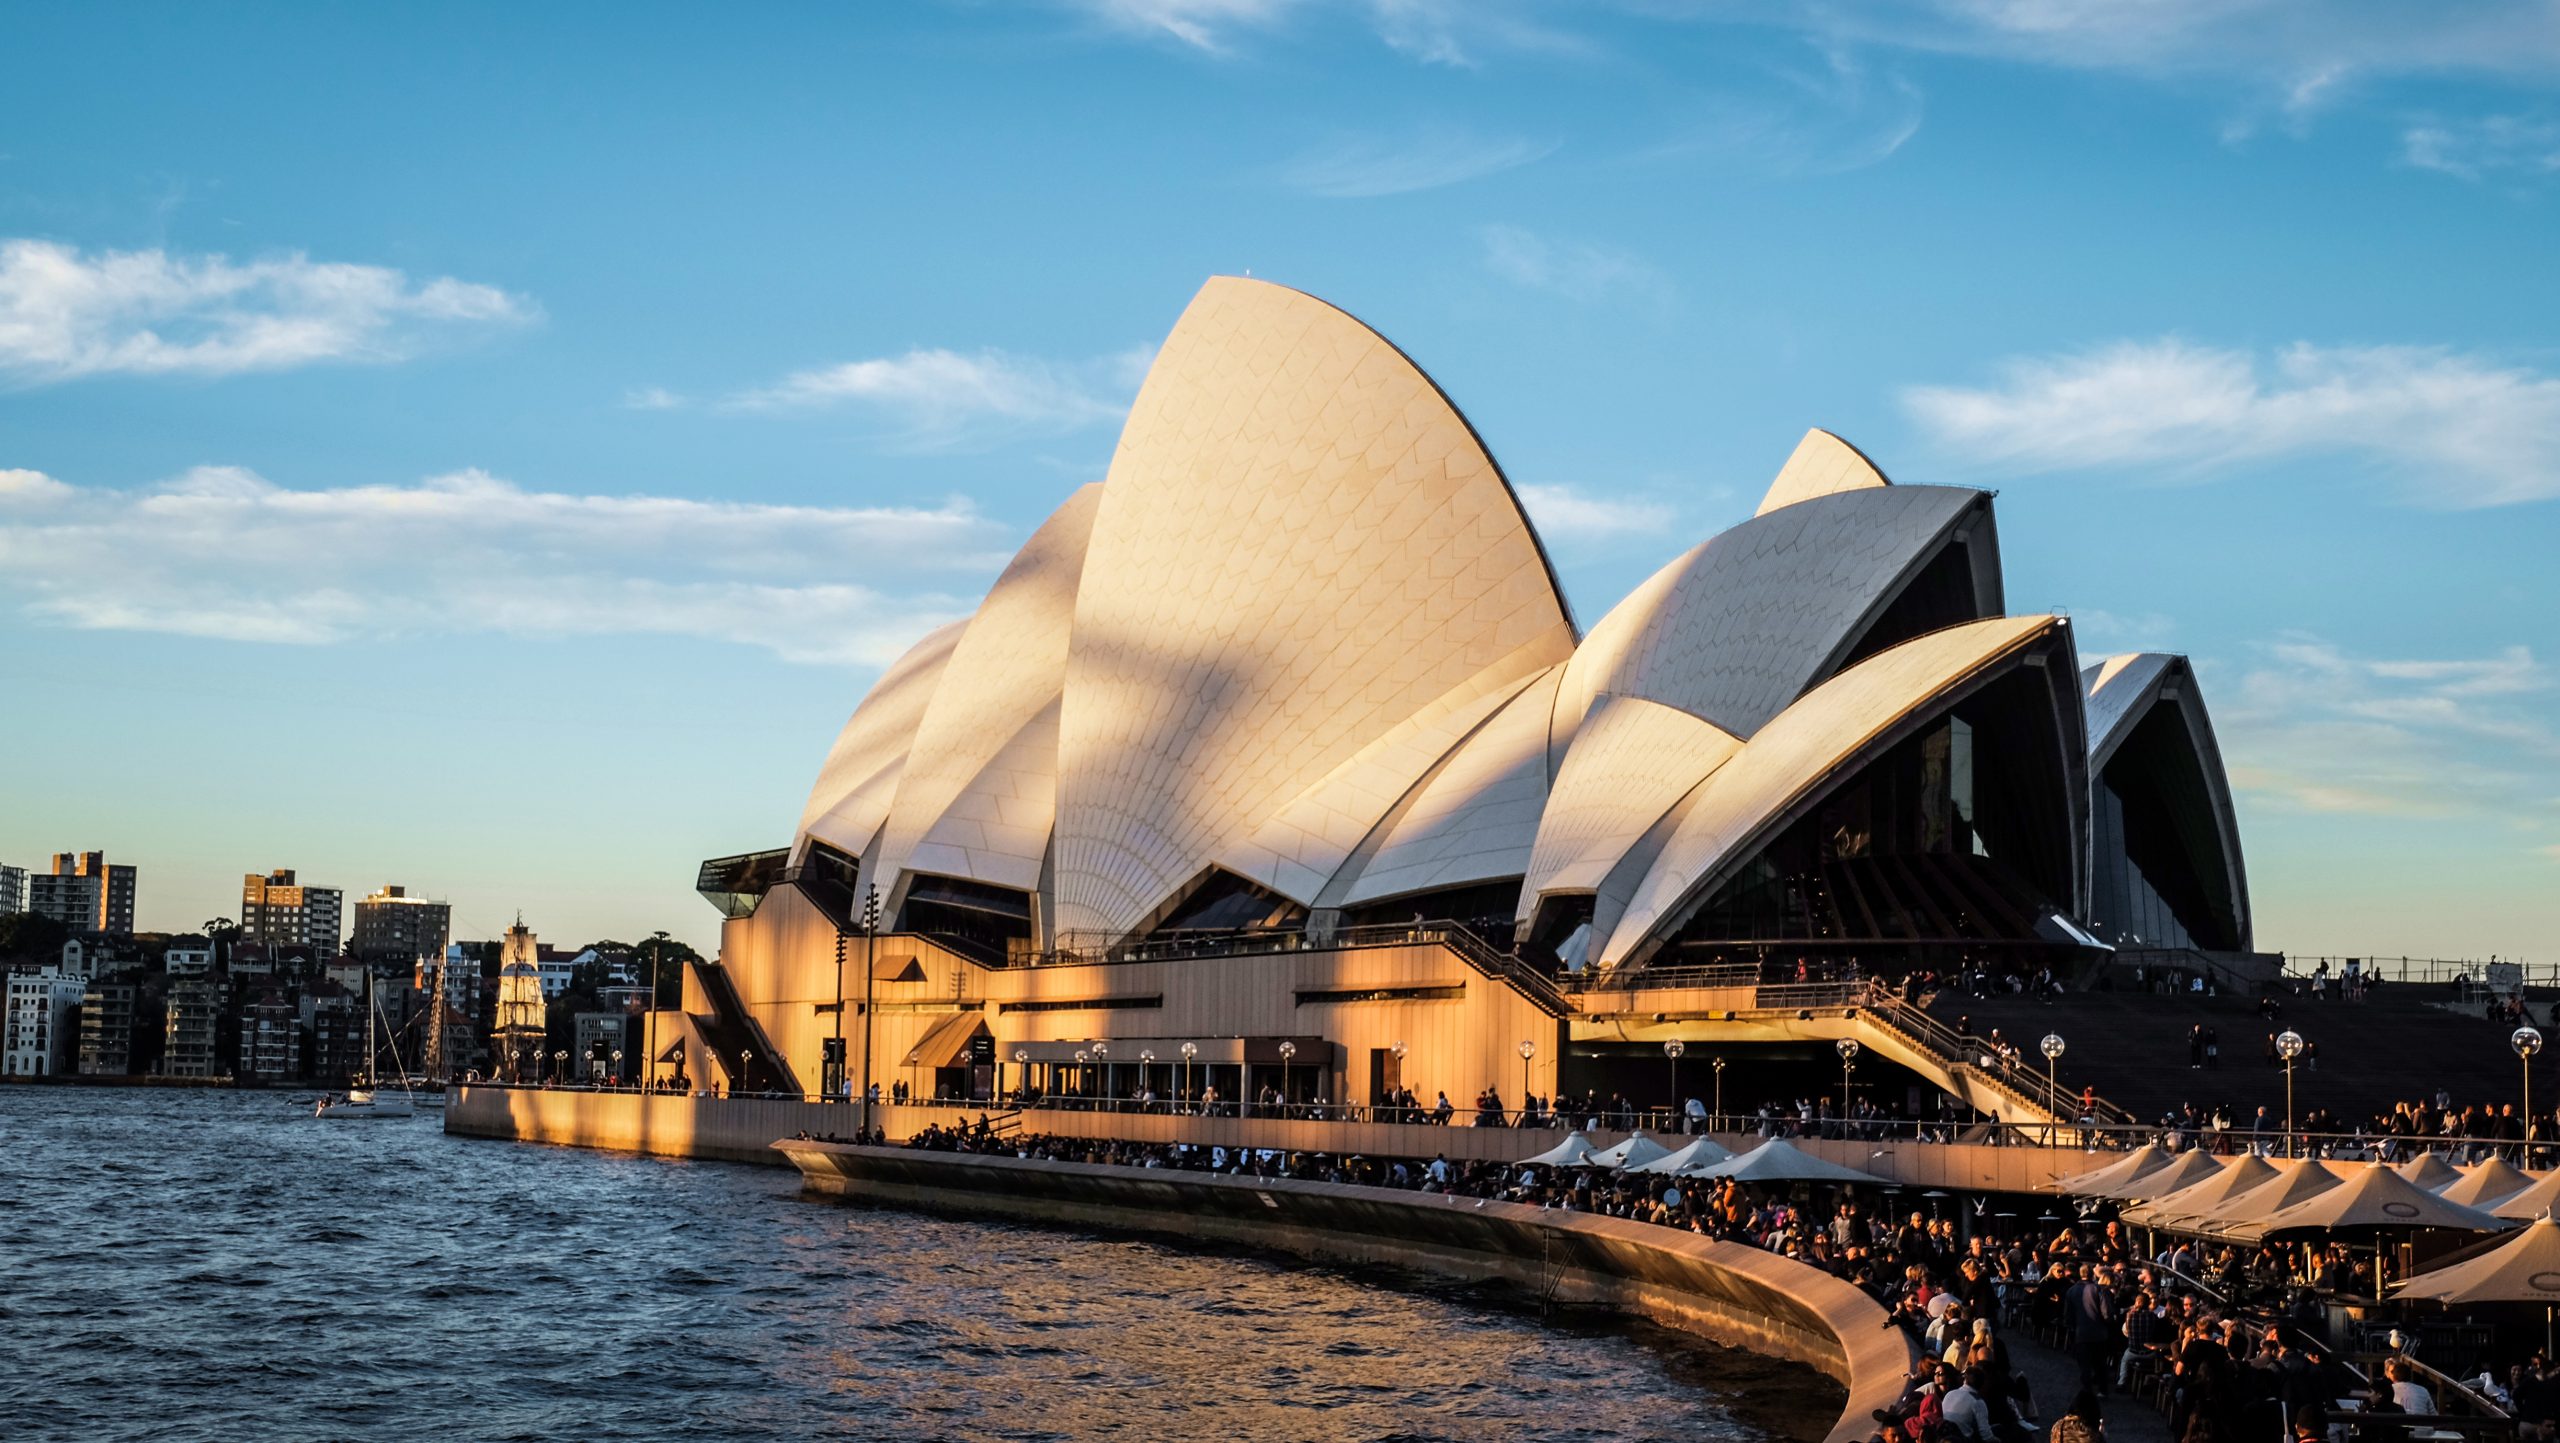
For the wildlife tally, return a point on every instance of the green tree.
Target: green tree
(31, 937)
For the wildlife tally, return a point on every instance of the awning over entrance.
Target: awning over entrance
(947, 1042)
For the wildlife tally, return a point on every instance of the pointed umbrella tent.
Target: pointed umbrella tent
(1636, 1151)
(2189, 1169)
(2430, 1171)
(2297, 1183)
(2245, 1173)
(2523, 1269)
(1704, 1152)
(1574, 1151)
(2376, 1197)
(2143, 1159)
(2534, 1201)
(2485, 1185)
(1779, 1160)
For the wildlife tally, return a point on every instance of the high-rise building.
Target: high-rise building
(270, 1041)
(195, 1009)
(40, 1033)
(83, 893)
(13, 889)
(277, 910)
(106, 1030)
(337, 1033)
(396, 929)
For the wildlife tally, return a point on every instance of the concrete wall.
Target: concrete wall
(1732, 1293)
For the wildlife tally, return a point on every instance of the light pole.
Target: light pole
(657, 960)
(617, 1067)
(1395, 1098)
(870, 985)
(2527, 1041)
(746, 1059)
(1672, 1049)
(1287, 1050)
(1146, 1062)
(1190, 1050)
(1022, 1072)
(2288, 1047)
(1719, 1108)
(560, 1065)
(1847, 1047)
(2052, 1049)
(1081, 1088)
(1102, 1056)
(1528, 1049)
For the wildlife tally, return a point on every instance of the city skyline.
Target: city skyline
(514, 523)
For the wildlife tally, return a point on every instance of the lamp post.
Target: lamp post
(617, 1067)
(1672, 1049)
(1102, 1057)
(1848, 1049)
(1718, 1115)
(1190, 1050)
(560, 1065)
(2052, 1049)
(746, 1059)
(2288, 1047)
(1081, 1089)
(2527, 1041)
(1287, 1051)
(1395, 1099)
(1146, 1062)
(1022, 1071)
(1528, 1049)
(870, 986)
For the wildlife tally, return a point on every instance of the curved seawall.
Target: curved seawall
(1733, 1294)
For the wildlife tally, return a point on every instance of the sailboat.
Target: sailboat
(369, 1101)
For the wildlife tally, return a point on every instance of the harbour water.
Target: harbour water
(183, 1264)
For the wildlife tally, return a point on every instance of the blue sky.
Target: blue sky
(492, 448)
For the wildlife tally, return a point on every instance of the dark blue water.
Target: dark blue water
(216, 1265)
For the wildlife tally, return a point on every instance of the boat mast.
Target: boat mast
(368, 1025)
(435, 1022)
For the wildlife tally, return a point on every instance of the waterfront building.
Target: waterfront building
(40, 1036)
(278, 910)
(188, 959)
(597, 1036)
(393, 929)
(13, 889)
(1278, 752)
(106, 1029)
(270, 1041)
(84, 893)
(194, 1012)
(335, 1015)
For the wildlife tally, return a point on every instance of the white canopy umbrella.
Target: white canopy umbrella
(1700, 1153)
(2485, 1185)
(2430, 1171)
(1636, 1151)
(2534, 1201)
(2523, 1269)
(1779, 1160)
(2245, 1173)
(2145, 1158)
(1574, 1151)
(2184, 1171)
(2300, 1182)
(2376, 1197)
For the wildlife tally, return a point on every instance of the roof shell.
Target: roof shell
(1473, 819)
(1300, 545)
(1630, 762)
(1823, 465)
(854, 789)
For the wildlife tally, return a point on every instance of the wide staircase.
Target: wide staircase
(751, 1063)
(2403, 1041)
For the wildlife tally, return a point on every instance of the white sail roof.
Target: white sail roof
(1630, 762)
(851, 798)
(1474, 818)
(1823, 465)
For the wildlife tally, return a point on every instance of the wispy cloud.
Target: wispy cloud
(2317, 727)
(652, 398)
(66, 314)
(1207, 25)
(2485, 147)
(938, 398)
(1569, 513)
(2455, 429)
(1577, 269)
(222, 552)
(1358, 167)
(1838, 115)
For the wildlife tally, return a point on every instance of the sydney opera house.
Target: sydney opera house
(1277, 759)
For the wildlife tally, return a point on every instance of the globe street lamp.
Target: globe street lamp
(1021, 1071)
(2052, 1049)
(1190, 1050)
(617, 1067)
(2527, 1041)
(746, 1059)
(1848, 1049)
(1287, 1051)
(1081, 1057)
(1395, 1098)
(560, 1065)
(2288, 1046)
(1718, 1115)
(1102, 1055)
(1146, 1059)
(1528, 1049)
(1672, 1049)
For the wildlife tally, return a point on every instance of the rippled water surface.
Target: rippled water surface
(201, 1264)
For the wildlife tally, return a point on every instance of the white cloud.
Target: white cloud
(2315, 727)
(2456, 429)
(938, 397)
(1569, 513)
(1201, 24)
(222, 552)
(65, 314)
(652, 398)
(1359, 167)
(1836, 117)
(2525, 146)
(1577, 269)
(24, 487)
